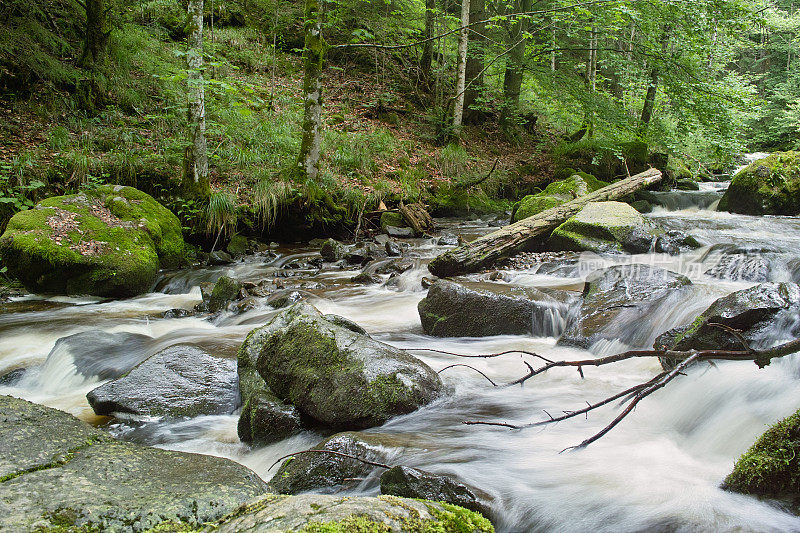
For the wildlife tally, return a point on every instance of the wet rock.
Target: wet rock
(741, 265)
(384, 514)
(618, 303)
(473, 309)
(361, 254)
(99, 353)
(605, 227)
(323, 472)
(413, 483)
(219, 257)
(642, 206)
(398, 266)
(265, 419)
(402, 233)
(675, 242)
(393, 249)
(181, 381)
(11, 378)
(365, 278)
(60, 473)
(345, 323)
(226, 290)
(108, 241)
(332, 250)
(428, 281)
(769, 186)
(758, 312)
(687, 185)
(243, 306)
(769, 468)
(237, 246)
(176, 313)
(284, 298)
(448, 239)
(336, 376)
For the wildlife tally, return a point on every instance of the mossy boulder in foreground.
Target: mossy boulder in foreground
(109, 241)
(771, 467)
(605, 227)
(769, 186)
(336, 376)
(555, 194)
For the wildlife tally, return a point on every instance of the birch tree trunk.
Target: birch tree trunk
(463, 39)
(313, 61)
(195, 170)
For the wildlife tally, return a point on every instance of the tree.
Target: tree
(95, 48)
(463, 41)
(475, 61)
(427, 49)
(515, 64)
(195, 165)
(313, 62)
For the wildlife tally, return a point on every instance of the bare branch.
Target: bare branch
(471, 368)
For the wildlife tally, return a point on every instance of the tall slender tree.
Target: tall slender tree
(195, 165)
(463, 43)
(515, 64)
(313, 61)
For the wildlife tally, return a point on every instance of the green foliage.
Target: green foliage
(220, 214)
(268, 198)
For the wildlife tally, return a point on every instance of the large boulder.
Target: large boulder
(181, 381)
(555, 194)
(618, 304)
(769, 186)
(339, 377)
(325, 472)
(60, 474)
(478, 309)
(346, 514)
(605, 227)
(413, 483)
(265, 419)
(755, 312)
(771, 467)
(109, 241)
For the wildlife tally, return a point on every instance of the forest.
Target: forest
(399, 265)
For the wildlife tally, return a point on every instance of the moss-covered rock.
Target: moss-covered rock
(390, 218)
(317, 513)
(771, 467)
(337, 376)
(60, 474)
(238, 245)
(109, 241)
(265, 419)
(769, 186)
(332, 250)
(605, 227)
(225, 291)
(575, 185)
(414, 483)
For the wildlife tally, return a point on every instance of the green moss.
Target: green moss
(225, 291)
(392, 219)
(351, 524)
(766, 186)
(771, 467)
(555, 194)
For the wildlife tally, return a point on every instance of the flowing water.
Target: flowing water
(659, 470)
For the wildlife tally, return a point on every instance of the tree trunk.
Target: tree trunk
(195, 175)
(650, 99)
(463, 39)
(313, 60)
(484, 251)
(95, 48)
(512, 79)
(427, 50)
(475, 58)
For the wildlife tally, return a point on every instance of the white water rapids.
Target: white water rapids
(659, 470)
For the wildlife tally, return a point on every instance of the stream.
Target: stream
(659, 470)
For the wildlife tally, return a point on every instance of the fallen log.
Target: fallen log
(484, 251)
(417, 217)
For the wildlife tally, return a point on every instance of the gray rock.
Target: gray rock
(58, 472)
(365, 278)
(334, 375)
(757, 312)
(479, 309)
(332, 250)
(318, 512)
(328, 473)
(393, 249)
(265, 419)
(447, 239)
(219, 257)
(741, 267)
(403, 233)
(285, 297)
(11, 378)
(345, 323)
(413, 483)
(618, 302)
(181, 381)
